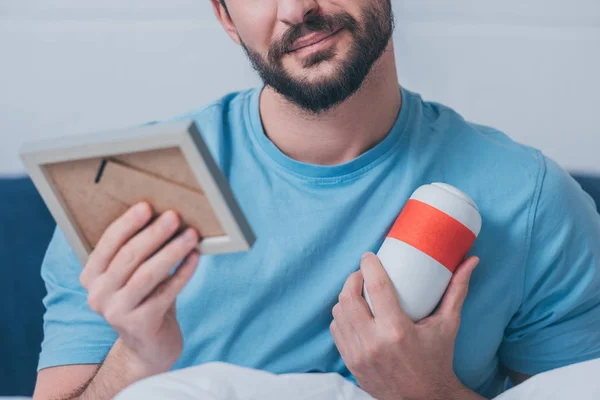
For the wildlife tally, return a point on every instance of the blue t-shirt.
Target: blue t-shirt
(534, 300)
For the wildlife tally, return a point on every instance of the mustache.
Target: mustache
(313, 23)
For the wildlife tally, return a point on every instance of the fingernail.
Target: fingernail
(141, 209)
(189, 236)
(168, 220)
(365, 256)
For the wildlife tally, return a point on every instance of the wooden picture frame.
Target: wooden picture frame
(88, 180)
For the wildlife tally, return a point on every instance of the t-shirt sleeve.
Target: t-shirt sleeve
(73, 333)
(558, 322)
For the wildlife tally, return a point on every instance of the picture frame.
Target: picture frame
(88, 180)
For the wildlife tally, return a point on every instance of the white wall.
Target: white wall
(528, 67)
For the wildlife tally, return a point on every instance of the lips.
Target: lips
(310, 40)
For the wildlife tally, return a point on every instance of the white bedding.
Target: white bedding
(578, 381)
(220, 381)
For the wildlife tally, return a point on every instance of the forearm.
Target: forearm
(119, 370)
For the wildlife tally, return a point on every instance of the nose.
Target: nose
(294, 12)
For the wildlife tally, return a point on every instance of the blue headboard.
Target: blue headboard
(25, 230)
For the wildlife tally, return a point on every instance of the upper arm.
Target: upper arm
(558, 322)
(73, 333)
(63, 382)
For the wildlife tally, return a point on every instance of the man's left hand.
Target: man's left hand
(390, 356)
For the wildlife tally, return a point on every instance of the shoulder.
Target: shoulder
(564, 209)
(458, 136)
(232, 104)
(482, 160)
(559, 188)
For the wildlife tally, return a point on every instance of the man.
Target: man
(322, 159)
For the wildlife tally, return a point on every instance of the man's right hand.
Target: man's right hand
(128, 280)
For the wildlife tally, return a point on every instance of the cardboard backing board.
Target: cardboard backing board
(89, 181)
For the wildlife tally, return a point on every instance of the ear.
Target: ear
(224, 18)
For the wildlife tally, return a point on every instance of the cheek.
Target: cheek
(352, 7)
(256, 22)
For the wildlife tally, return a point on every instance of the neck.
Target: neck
(342, 133)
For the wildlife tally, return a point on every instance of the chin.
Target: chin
(320, 72)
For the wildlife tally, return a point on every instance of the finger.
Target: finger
(345, 330)
(338, 339)
(113, 238)
(452, 303)
(345, 340)
(354, 306)
(381, 291)
(156, 269)
(166, 293)
(139, 248)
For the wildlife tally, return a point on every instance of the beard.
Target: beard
(369, 43)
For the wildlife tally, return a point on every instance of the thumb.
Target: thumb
(456, 293)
